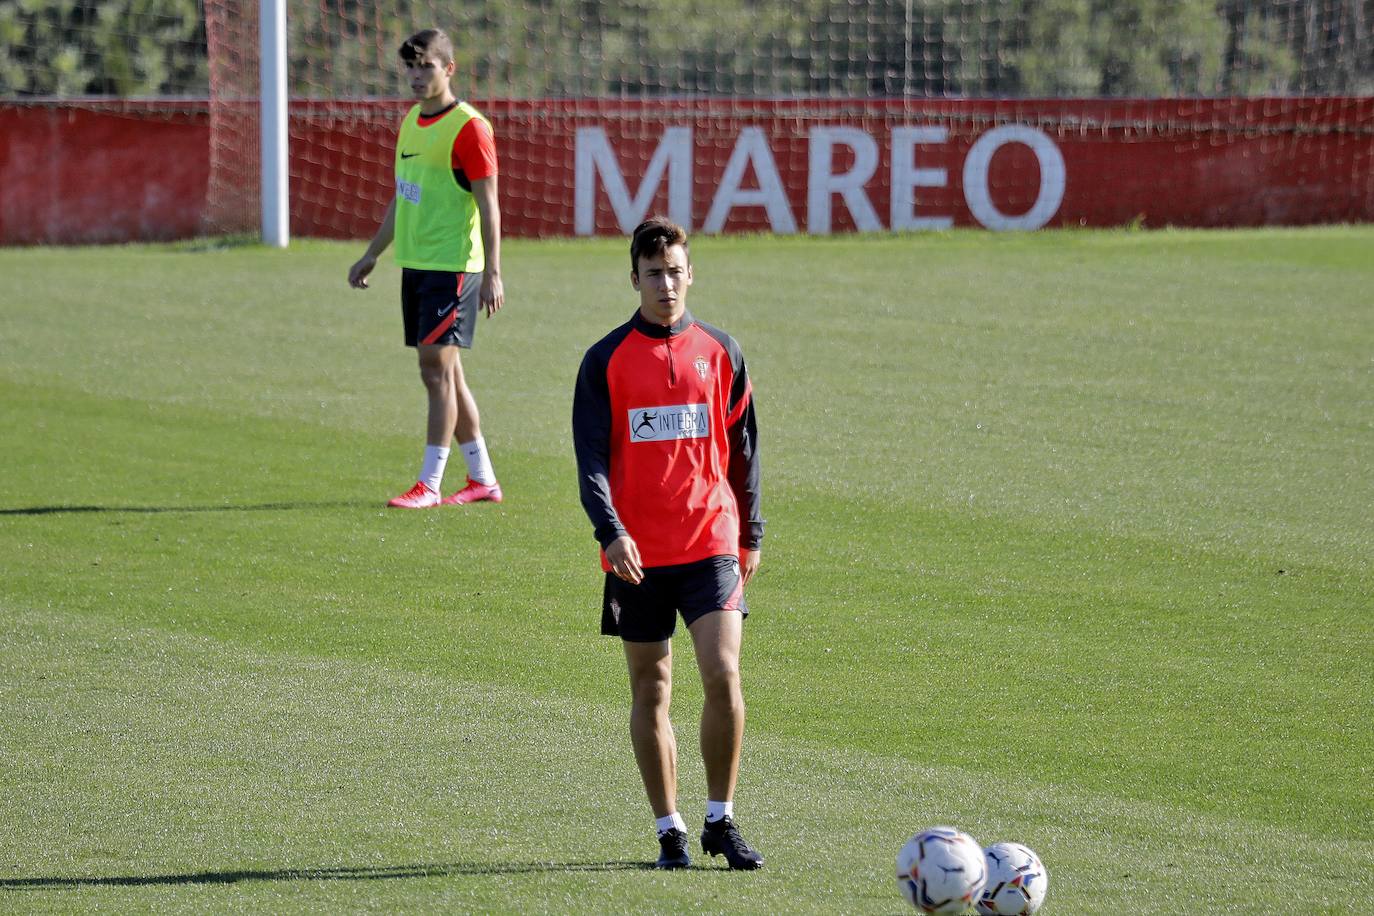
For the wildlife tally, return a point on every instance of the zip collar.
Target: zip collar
(658, 331)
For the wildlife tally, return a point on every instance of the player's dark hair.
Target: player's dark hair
(427, 41)
(653, 237)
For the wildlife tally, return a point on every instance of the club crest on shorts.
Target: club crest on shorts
(702, 367)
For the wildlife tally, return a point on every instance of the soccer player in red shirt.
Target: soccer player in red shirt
(668, 466)
(446, 222)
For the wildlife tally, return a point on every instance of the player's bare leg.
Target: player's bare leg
(655, 744)
(716, 639)
(467, 426)
(437, 365)
(436, 373)
(467, 432)
(651, 731)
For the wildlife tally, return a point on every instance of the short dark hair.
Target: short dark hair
(425, 42)
(653, 237)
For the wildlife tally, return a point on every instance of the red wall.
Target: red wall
(102, 172)
(110, 172)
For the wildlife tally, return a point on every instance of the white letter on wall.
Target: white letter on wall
(821, 183)
(906, 178)
(1052, 177)
(595, 157)
(751, 146)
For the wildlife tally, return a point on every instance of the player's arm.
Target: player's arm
(358, 273)
(591, 422)
(474, 153)
(743, 471)
(493, 294)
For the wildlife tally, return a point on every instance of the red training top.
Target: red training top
(666, 442)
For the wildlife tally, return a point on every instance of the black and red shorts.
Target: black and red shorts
(439, 306)
(647, 612)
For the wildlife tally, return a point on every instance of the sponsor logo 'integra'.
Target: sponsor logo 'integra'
(673, 421)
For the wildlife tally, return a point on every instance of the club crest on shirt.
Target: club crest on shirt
(669, 422)
(702, 366)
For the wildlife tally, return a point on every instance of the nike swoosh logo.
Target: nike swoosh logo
(409, 155)
(446, 309)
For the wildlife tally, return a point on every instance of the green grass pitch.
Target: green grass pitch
(1069, 543)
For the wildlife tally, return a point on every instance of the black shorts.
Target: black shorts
(439, 306)
(647, 612)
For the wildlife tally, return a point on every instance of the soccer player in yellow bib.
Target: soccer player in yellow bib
(446, 222)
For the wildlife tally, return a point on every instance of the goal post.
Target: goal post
(276, 229)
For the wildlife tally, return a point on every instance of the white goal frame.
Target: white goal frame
(276, 222)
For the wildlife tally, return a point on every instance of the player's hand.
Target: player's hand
(493, 293)
(357, 274)
(623, 555)
(749, 564)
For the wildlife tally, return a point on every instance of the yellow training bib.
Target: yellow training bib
(437, 225)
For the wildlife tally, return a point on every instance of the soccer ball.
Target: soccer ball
(1017, 881)
(941, 870)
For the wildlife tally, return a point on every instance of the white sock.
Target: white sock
(432, 471)
(716, 810)
(673, 821)
(479, 463)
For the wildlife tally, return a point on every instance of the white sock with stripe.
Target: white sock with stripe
(479, 462)
(672, 821)
(432, 470)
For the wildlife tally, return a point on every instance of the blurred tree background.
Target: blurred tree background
(636, 48)
(124, 48)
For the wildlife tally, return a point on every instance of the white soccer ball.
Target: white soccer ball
(1017, 881)
(941, 870)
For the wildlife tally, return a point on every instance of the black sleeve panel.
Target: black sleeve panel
(591, 427)
(744, 478)
(744, 470)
